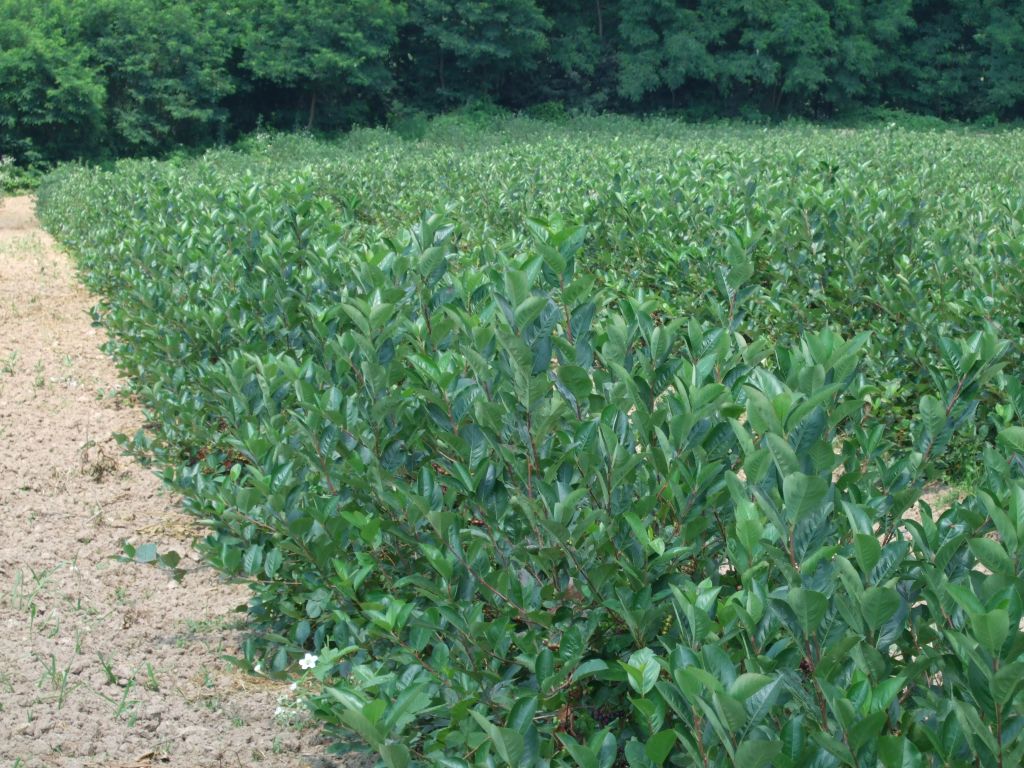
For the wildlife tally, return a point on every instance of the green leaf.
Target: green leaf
(530, 310)
(793, 737)
(659, 746)
(576, 380)
(636, 755)
(395, 755)
(650, 713)
(552, 258)
(759, 704)
(803, 494)
(406, 706)
(544, 664)
(510, 745)
(991, 629)
(899, 752)
(607, 748)
(252, 559)
(749, 526)
(992, 555)
(868, 550)
(886, 691)
(584, 756)
(272, 562)
(739, 274)
(1005, 682)
(588, 668)
(809, 606)
(643, 670)
(754, 754)
(934, 414)
(730, 710)
(783, 454)
(358, 722)
(747, 684)
(965, 598)
(975, 730)
(1012, 439)
(865, 730)
(878, 605)
(761, 414)
(833, 746)
(520, 718)
(170, 559)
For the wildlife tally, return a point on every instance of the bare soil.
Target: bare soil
(104, 663)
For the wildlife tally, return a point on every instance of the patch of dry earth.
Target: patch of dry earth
(103, 663)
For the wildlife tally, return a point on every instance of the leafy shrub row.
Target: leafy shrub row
(525, 519)
(910, 236)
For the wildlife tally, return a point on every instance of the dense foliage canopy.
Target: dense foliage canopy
(616, 458)
(117, 77)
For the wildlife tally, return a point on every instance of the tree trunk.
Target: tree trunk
(600, 20)
(312, 111)
(440, 67)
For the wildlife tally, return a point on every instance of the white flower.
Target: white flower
(293, 687)
(278, 711)
(257, 668)
(308, 661)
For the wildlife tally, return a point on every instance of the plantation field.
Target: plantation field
(595, 444)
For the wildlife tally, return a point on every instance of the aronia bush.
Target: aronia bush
(524, 518)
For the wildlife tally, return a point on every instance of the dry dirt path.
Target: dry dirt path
(103, 663)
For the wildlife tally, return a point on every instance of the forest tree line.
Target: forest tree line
(108, 78)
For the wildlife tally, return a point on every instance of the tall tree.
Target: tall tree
(115, 77)
(51, 100)
(163, 70)
(1001, 43)
(471, 47)
(578, 65)
(791, 43)
(324, 51)
(663, 46)
(938, 70)
(868, 35)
